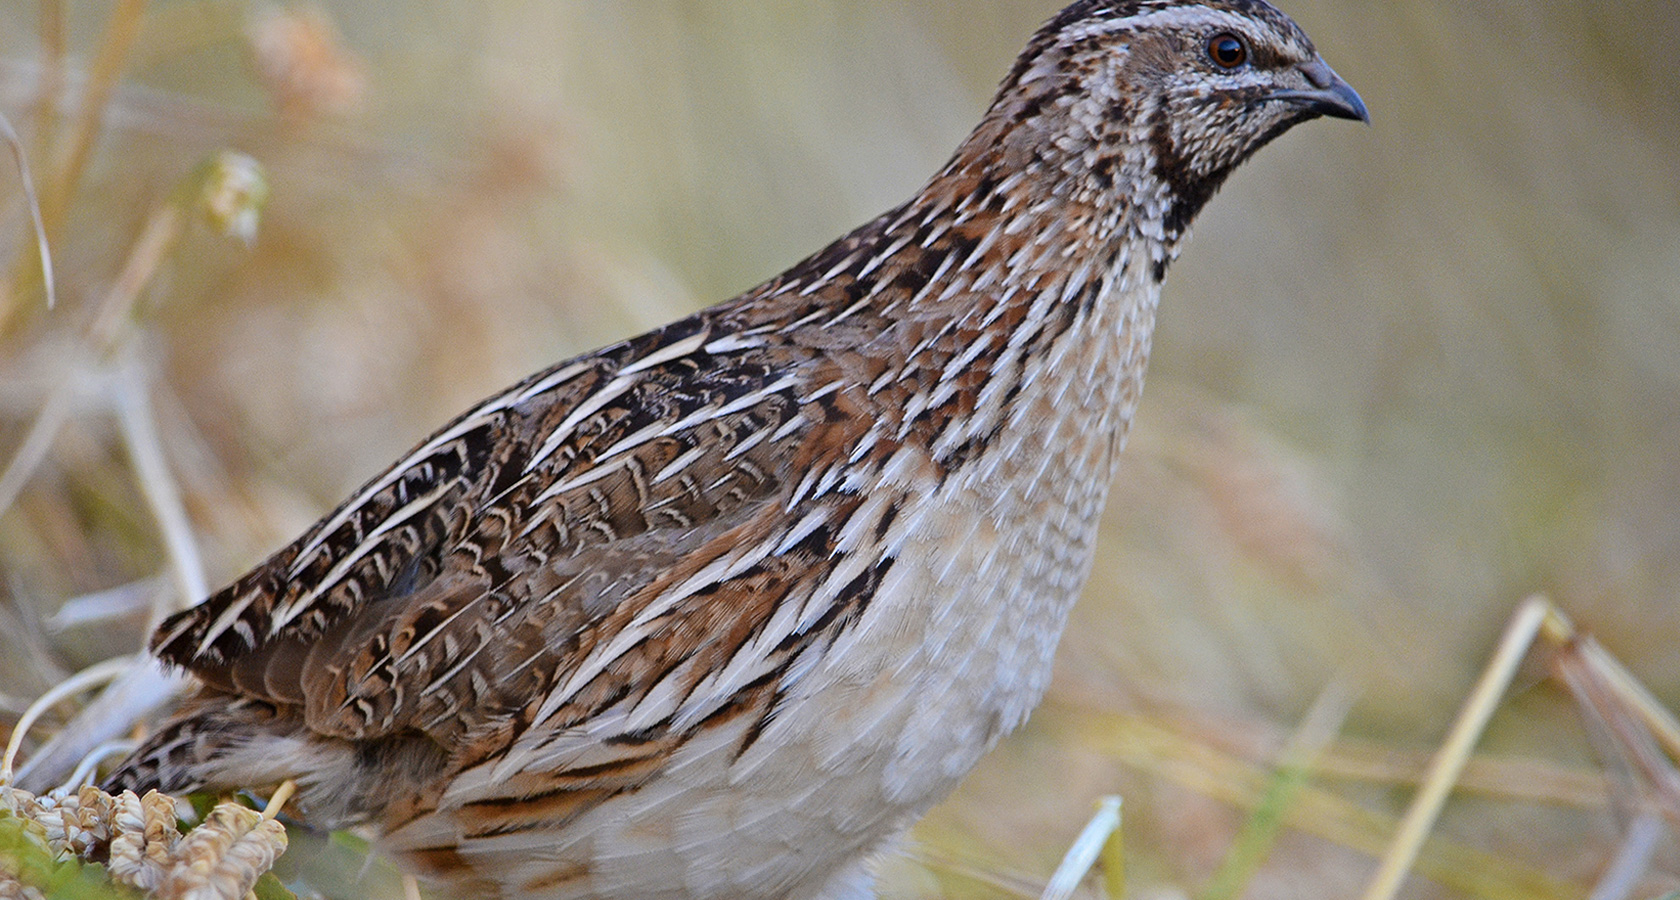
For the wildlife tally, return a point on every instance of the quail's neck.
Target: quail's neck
(1029, 209)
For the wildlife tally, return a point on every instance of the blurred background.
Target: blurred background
(1405, 375)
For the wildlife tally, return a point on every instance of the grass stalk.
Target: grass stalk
(120, 32)
(54, 47)
(91, 677)
(1259, 834)
(1093, 845)
(1165, 753)
(1455, 752)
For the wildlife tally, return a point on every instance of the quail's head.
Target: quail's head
(1163, 98)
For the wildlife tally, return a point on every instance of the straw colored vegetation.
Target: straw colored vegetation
(1405, 377)
(45, 840)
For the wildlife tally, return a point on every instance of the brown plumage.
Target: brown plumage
(714, 611)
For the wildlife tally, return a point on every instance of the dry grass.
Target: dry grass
(1405, 376)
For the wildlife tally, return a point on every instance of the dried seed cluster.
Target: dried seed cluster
(138, 841)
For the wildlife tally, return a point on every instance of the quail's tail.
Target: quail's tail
(190, 753)
(221, 743)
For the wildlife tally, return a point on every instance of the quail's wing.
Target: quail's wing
(510, 548)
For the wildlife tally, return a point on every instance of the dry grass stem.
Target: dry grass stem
(37, 443)
(1455, 752)
(1295, 768)
(277, 801)
(1164, 752)
(100, 607)
(136, 691)
(229, 190)
(1633, 858)
(82, 775)
(163, 229)
(108, 65)
(1620, 734)
(91, 677)
(33, 203)
(959, 865)
(1098, 842)
(163, 495)
(1617, 707)
(1526, 780)
(1621, 684)
(54, 44)
(121, 29)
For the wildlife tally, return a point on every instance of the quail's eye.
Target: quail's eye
(1227, 50)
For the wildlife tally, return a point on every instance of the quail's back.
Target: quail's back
(715, 611)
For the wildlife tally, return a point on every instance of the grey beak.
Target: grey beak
(1329, 95)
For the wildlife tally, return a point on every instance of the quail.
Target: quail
(716, 611)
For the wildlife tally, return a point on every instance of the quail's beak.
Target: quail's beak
(1328, 95)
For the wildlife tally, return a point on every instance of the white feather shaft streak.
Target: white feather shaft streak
(374, 538)
(597, 401)
(676, 350)
(484, 416)
(720, 569)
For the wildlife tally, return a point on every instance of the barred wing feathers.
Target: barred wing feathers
(535, 522)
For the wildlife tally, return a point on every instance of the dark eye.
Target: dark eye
(1227, 50)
